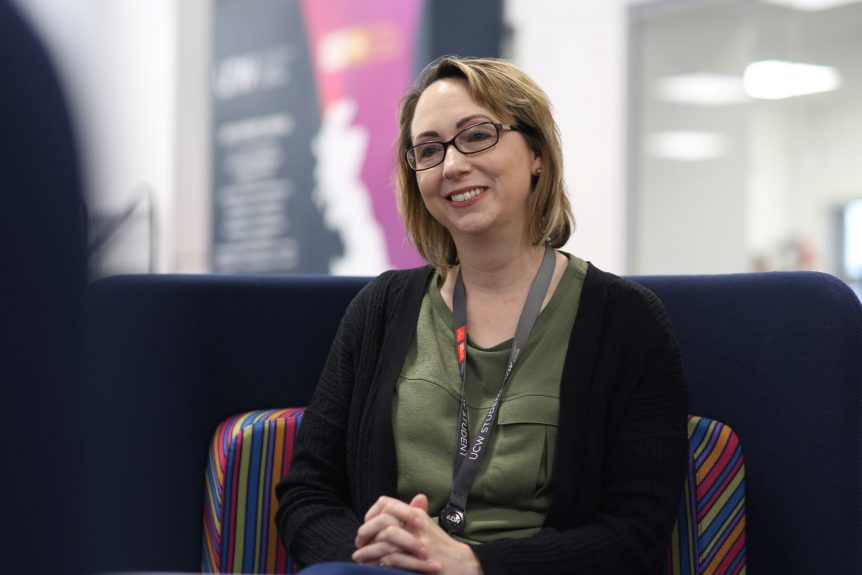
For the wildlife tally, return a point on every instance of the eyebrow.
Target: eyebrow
(461, 123)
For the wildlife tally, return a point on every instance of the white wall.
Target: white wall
(193, 205)
(577, 50)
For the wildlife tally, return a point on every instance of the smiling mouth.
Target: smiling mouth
(466, 195)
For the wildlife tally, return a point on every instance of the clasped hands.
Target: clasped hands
(401, 535)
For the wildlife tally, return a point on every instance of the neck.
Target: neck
(499, 266)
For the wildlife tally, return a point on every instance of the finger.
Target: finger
(378, 506)
(369, 530)
(389, 512)
(420, 501)
(414, 517)
(374, 552)
(406, 541)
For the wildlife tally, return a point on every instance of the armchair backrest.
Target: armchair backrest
(778, 357)
(166, 359)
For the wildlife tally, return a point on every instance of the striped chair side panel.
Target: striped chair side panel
(709, 535)
(250, 452)
(681, 553)
(720, 498)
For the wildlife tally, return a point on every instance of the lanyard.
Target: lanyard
(468, 458)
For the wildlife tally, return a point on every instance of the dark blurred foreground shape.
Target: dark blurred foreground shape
(41, 253)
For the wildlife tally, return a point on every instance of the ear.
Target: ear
(536, 166)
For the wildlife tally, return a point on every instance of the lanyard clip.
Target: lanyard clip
(452, 520)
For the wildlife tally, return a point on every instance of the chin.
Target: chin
(471, 228)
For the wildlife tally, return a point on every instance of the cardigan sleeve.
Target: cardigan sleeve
(629, 476)
(344, 458)
(315, 518)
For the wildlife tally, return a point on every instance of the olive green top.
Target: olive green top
(512, 492)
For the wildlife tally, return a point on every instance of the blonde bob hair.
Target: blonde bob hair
(516, 99)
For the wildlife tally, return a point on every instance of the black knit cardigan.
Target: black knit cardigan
(621, 442)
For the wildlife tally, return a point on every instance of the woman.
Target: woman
(510, 408)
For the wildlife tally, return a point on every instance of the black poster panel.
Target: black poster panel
(265, 115)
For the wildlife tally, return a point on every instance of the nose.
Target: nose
(455, 163)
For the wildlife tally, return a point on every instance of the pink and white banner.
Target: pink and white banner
(362, 54)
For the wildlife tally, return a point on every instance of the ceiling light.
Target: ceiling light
(701, 89)
(810, 5)
(686, 146)
(776, 79)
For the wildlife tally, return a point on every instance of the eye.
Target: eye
(479, 134)
(477, 138)
(425, 151)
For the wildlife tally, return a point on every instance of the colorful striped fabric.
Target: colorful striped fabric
(251, 451)
(709, 536)
(249, 454)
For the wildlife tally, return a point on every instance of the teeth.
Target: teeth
(463, 197)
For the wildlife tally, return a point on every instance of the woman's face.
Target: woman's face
(478, 194)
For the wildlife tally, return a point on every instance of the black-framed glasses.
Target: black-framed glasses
(472, 140)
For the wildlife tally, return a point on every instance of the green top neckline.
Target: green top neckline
(443, 312)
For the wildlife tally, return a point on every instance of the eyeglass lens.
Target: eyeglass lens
(469, 141)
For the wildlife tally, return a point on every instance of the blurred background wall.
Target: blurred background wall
(674, 161)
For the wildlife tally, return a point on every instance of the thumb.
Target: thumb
(420, 500)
